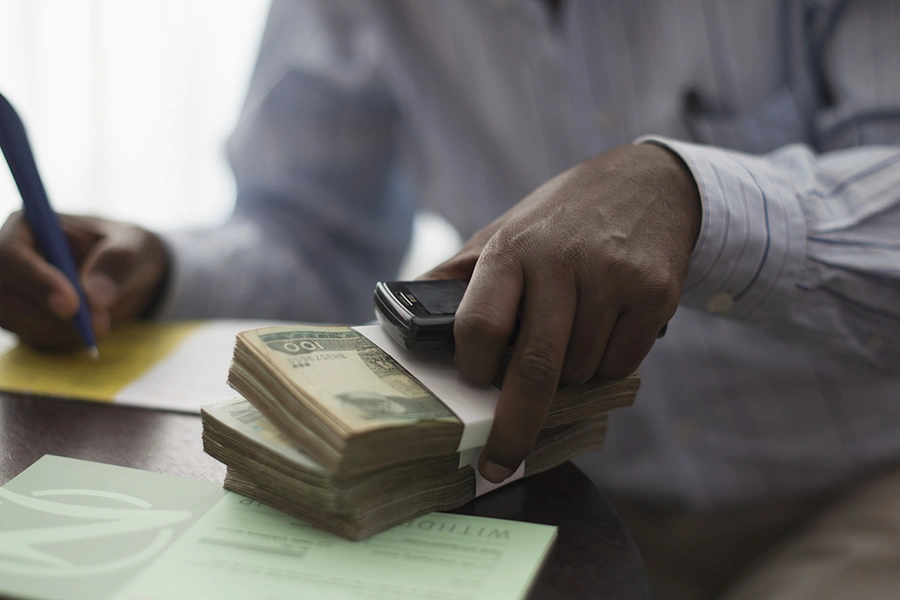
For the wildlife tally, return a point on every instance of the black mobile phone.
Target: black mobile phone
(419, 315)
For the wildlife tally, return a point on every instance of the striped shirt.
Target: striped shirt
(780, 373)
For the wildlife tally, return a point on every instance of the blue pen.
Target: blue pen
(43, 221)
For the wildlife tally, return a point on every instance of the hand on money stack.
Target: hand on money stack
(332, 430)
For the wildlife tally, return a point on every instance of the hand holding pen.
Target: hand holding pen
(64, 279)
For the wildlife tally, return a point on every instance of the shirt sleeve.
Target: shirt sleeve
(315, 223)
(804, 246)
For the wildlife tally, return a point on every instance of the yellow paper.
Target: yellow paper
(124, 356)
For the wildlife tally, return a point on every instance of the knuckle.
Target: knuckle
(511, 441)
(500, 257)
(9, 250)
(615, 370)
(514, 448)
(15, 264)
(654, 287)
(658, 294)
(576, 372)
(538, 368)
(504, 249)
(131, 233)
(511, 433)
(477, 324)
(575, 250)
(13, 220)
(118, 259)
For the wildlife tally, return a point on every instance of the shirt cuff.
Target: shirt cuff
(752, 237)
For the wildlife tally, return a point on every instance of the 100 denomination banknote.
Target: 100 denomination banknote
(347, 375)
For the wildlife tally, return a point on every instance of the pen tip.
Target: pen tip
(94, 353)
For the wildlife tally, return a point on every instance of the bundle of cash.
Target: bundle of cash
(266, 465)
(333, 430)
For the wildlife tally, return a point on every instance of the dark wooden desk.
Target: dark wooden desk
(594, 555)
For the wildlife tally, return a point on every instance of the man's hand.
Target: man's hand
(122, 268)
(593, 263)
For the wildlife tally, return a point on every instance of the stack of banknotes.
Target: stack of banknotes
(331, 429)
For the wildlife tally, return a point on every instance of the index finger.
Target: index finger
(532, 377)
(24, 270)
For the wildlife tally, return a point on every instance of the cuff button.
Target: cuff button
(720, 303)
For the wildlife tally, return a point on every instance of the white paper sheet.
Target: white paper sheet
(472, 403)
(192, 375)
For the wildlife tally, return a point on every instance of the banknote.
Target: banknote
(264, 465)
(246, 420)
(354, 408)
(347, 375)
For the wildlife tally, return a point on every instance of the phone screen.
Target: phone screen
(438, 297)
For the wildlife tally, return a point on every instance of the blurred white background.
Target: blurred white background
(128, 106)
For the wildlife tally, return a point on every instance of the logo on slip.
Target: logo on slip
(94, 532)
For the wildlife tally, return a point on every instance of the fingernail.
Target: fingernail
(61, 304)
(100, 289)
(495, 473)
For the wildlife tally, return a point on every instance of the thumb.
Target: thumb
(459, 266)
(462, 264)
